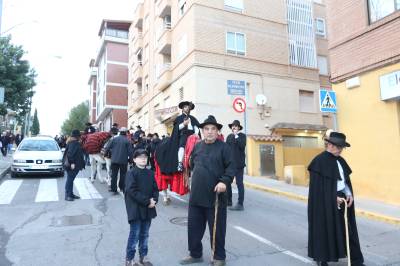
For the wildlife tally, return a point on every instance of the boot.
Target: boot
(237, 207)
(219, 263)
(143, 262)
(190, 260)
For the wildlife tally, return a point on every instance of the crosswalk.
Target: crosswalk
(45, 190)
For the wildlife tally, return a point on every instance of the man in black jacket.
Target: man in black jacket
(237, 142)
(141, 197)
(329, 187)
(121, 154)
(213, 169)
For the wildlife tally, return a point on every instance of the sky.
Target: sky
(60, 37)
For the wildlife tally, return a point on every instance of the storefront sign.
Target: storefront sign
(390, 86)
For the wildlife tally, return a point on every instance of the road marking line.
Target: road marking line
(47, 191)
(8, 190)
(175, 196)
(271, 244)
(86, 189)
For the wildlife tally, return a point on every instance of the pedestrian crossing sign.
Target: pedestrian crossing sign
(327, 101)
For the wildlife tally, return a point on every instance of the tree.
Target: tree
(17, 77)
(35, 128)
(78, 117)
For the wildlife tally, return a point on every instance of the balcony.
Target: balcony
(164, 41)
(164, 8)
(138, 22)
(138, 42)
(138, 73)
(164, 76)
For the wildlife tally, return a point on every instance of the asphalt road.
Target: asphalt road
(38, 228)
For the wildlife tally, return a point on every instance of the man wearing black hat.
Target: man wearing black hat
(170, 156)
(89, 128)
(329, 187)
(212, 170)
(237, 142)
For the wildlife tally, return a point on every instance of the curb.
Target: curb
(359, 212)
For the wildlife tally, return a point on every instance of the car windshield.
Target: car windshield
(38, 145)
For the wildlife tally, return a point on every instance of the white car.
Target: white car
(37, 155)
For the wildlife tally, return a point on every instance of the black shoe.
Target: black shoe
(322, 263)
(237, 207)
(180, 167)
(68, 198)
(113, 192)
(75, 196)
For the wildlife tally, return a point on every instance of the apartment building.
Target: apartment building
(272, 54)
(108, 80)
(365, 67)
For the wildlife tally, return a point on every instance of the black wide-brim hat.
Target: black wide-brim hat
(235, 123)
(184, 103)
(75, 133)
(211, 121)
(338, 139)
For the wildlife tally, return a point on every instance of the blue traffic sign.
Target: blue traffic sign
(327, 101)
(236, 87)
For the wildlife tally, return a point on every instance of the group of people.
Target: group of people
(7, 140)
(196, 157)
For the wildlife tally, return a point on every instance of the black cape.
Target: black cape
(326, 232)
(167, 150)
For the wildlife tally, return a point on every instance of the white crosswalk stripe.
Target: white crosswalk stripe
(47, 191)
(8, 189)
(86, 189)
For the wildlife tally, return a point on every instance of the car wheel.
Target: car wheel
(13, 174)
(60, 174)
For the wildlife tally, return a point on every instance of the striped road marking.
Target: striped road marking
(8, 190)
(86, 189)
(273, 245)
(48, 190)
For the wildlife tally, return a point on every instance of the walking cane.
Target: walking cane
(215, 224)
(346, 222)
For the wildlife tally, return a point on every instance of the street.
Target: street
(37, 227)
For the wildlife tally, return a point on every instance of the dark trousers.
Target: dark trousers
(354, 242)
(197, 219)
(69, 183)
(139, 233)
(122, 169)
(240, 186)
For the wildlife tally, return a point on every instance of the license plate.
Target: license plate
(39, 166)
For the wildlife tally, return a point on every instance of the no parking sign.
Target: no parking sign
(239, 105)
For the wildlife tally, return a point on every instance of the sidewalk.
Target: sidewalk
(5, 165)
(364, 207)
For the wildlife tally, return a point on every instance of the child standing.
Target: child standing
(141, 197)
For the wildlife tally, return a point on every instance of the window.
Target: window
(323, 65)
(300, 142)
(146, 84)
(182, 47)
(320, 27)
(235, 43)
(302, 50)
(146, 53)
(181, 94)
(182, 7)
(133, 96)
(379, 9)
(235, 5)
(306, 101)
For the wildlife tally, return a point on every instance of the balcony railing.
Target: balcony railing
(117, 33)
(164, 8)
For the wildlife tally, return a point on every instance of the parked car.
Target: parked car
(37, 155)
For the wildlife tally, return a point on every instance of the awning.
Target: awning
(273, 137)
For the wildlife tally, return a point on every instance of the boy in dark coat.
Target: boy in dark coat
(141, 197)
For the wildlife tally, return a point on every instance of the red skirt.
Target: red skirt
(175, 182)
